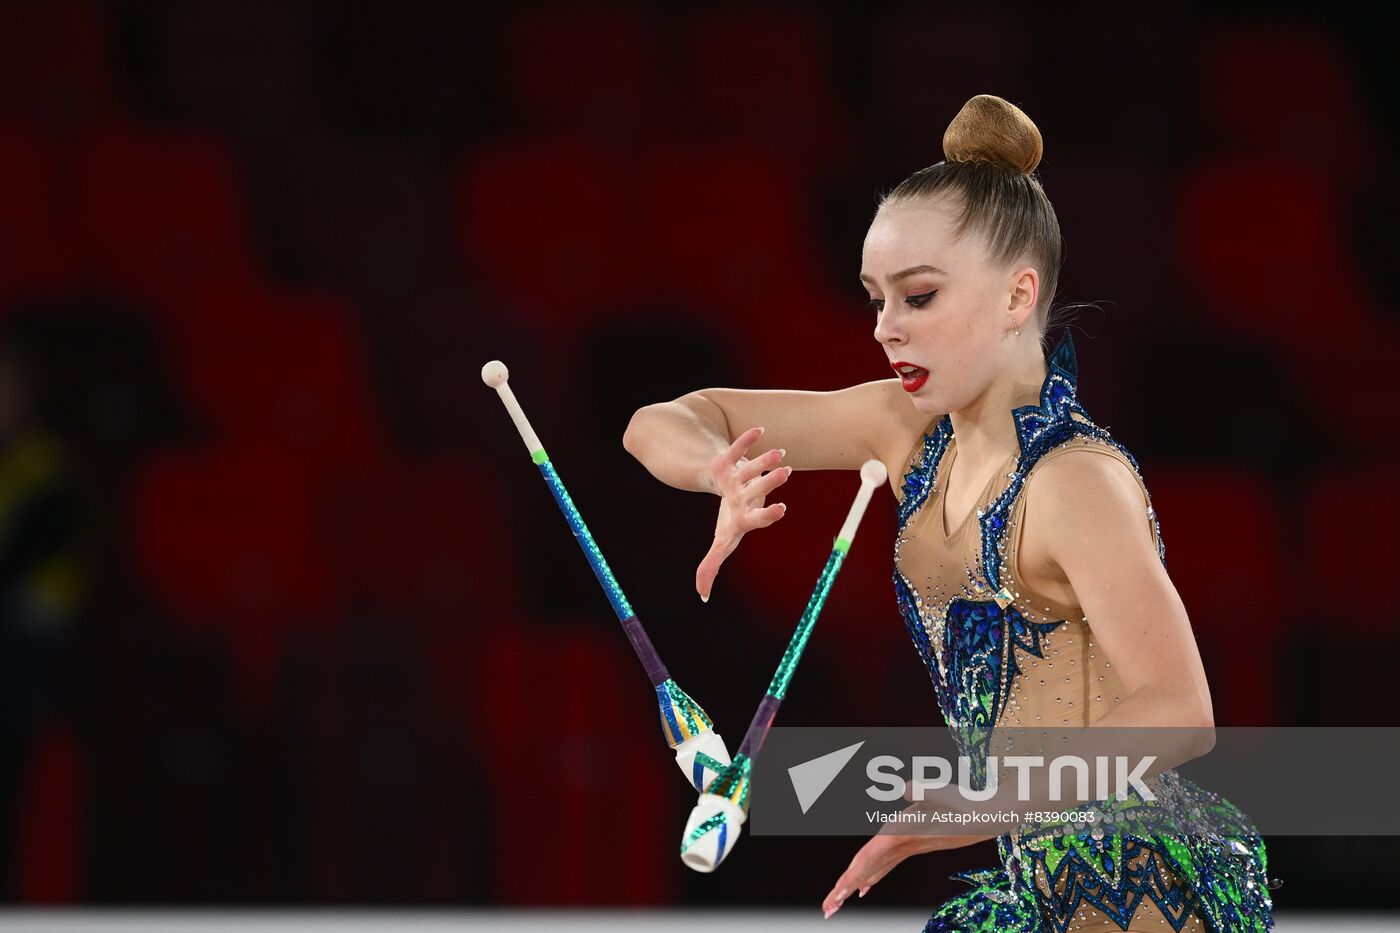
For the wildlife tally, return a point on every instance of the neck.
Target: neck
(985, 430)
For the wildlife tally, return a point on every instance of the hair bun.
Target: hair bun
(990, 129)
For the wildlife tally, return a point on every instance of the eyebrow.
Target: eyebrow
(912, 270)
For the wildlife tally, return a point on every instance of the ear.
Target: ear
(1025, 290)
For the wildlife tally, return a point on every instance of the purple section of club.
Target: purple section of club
(641, 644)
(758, 729)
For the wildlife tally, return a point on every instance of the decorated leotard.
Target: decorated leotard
(1001, 655)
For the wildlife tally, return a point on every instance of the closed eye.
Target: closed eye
(915, 301)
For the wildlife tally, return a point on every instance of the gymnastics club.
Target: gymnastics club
(715, 823)
(700, 752)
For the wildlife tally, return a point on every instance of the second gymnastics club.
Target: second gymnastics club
(723, 807)
(700, 752)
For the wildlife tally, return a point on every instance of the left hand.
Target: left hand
(892, 845)
(881, 853)
(874, 860)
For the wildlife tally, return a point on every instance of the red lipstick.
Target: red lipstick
(913, 380)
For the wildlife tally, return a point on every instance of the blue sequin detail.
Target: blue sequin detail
(974, 666)
(919, 480)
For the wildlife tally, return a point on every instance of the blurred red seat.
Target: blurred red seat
(226, 538)
(810, 339)
(566, 716)
(1227, 555)
(50, 844)
(163, 213)
(1347, 534)
(764, 74)
(285, 367)
(1261, 240)
(543, 224)
(728, 226)
(429, 538)
(35, 244)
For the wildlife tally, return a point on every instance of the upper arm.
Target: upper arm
(836, 430)
(1100, 538)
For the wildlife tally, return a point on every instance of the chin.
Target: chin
(927, 405)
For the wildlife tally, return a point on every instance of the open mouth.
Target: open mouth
(910, 376)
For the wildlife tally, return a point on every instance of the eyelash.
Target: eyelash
(918, 301)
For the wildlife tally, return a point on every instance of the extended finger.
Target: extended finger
(709, 566)
(762, 486)
(741, 445)
(764, 461)
(762, 518)
(837, 896)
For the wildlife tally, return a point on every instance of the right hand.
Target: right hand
(742, 487)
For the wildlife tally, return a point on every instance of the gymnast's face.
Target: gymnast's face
(936, 301)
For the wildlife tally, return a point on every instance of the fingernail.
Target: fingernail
(704, 597)
(760, 431)
(864, 889)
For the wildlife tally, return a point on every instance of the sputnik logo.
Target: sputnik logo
(811, 778)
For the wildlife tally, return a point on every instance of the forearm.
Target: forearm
(1176, 726)
(1156, 725)
(676, 441)
(1157, 707)
(931, 842)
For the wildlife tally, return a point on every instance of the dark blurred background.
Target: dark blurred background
(288, 616)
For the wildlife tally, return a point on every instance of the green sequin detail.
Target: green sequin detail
(778, 688)
(699, 832)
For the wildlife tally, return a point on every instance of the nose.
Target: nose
(887, 330)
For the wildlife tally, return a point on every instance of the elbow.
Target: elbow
(1202, 720)
(629, 436)
(1204, 710)
(1202, 740)
(632, 436)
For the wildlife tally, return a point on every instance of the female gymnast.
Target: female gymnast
(1029, 570)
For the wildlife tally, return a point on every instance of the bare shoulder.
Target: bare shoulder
(1083, 469)
(1084, 495)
